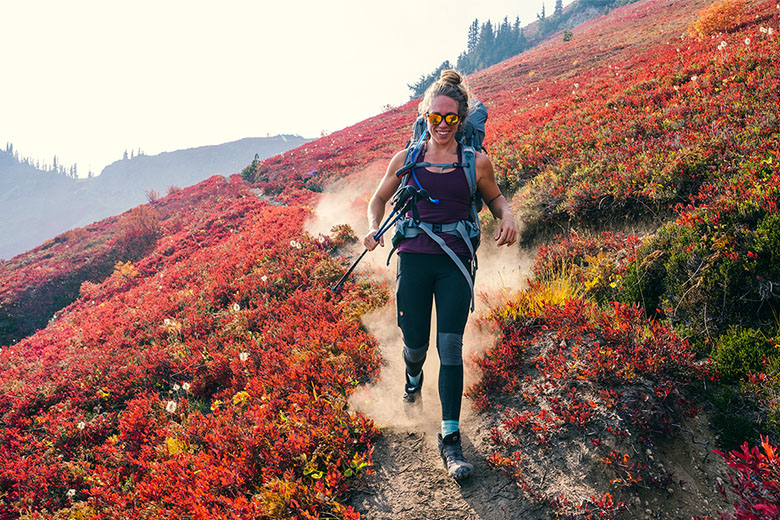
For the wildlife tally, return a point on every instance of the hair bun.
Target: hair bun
(450, 77)
(451, 84)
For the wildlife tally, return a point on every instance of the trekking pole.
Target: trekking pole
(403, 200)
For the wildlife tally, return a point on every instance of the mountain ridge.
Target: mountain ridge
(37, 205)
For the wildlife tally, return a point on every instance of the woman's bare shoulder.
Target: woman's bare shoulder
(398, 160)
(483, 162)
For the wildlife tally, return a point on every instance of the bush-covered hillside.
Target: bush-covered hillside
(209, 378)
(641, 155)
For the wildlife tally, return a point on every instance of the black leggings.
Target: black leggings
(420, 277)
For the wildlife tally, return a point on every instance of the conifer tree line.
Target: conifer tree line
(485, 45)
(54, 167)
(488, 44)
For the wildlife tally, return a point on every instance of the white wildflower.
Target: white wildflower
(694, 78)
(576, 85)
(176, 387)
(676, 87)
(770, 31)
(762, 29)
(243, 356)
(167, 322)
(747, 41)
(264, 278)
(170, 407)
(321, 239)
(81, 425)
(186, 387)
(236, 307)
(71, 493)
(292, 243)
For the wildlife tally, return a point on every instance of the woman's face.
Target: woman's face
(442, 133)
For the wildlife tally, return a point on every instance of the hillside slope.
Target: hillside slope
(211, 377)
(206, 379)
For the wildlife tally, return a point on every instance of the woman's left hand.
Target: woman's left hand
(507, 231)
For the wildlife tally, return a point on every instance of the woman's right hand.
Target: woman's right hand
(369, 241)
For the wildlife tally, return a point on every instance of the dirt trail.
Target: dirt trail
(410, 482)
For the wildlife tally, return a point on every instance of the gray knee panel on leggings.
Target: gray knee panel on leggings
(414, 355)
(450, 349)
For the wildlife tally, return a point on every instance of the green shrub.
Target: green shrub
(645, 280)
(711, 272)
(740, 352)
(734, 418)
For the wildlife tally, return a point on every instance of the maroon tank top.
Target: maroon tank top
(452, 190)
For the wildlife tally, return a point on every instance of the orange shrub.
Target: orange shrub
(719, 17)
(141, 221)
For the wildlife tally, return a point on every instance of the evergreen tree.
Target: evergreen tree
(518, 38)
(473, 36)
(558, 8)
(503, 48)
(541, 16)
(487, 40)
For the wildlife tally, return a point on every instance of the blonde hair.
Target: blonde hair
(452, 85)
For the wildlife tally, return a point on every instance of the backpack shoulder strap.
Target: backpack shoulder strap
(470, 168)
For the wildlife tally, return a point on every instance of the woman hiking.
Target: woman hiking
(425, 270)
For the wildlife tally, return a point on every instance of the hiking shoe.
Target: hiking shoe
(452, 455)
(412, 392)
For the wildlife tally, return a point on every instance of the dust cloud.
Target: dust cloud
(502, 273)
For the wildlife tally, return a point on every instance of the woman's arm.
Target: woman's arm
(499, 207)
(384, 192)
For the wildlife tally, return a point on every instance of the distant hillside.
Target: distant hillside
(36, 205)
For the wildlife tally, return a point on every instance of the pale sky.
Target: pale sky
(87, 80)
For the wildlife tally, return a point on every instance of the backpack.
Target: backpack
(469, 139)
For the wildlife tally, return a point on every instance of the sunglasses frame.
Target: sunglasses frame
(443, 117)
